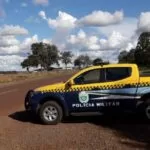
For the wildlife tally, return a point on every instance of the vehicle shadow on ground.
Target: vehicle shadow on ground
(132, 130)
(24, 116)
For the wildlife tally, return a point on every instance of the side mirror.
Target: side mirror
(70, 83)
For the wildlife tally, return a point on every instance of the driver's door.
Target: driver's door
(80, 96)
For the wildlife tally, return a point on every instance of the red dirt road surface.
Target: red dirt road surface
(21, 131)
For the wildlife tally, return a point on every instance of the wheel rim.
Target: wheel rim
(50, 113)
(148, 112)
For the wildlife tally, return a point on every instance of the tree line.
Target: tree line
(141, 54)
(44, 55)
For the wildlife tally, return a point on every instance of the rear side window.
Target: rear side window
(117, 73)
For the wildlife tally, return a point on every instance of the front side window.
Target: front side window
(118, 73)
(92, 76)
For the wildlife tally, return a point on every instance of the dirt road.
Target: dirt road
(20, 131)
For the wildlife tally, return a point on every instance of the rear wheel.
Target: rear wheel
(144, 109)
(50, 113)
(147, 111)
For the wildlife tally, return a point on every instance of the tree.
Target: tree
(131, 56)
(42, 54)
(82, 60)
(97, 61)
(31, 61)
(26, 64)
(142, 52)
(66, 57)
(46, 54)
(127, 57)
(77, 62)
(86, 61)
(122, 58)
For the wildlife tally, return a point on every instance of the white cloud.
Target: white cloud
(116, 41)
(63, 20)
(107, 48)
(41, 2)
(82, 41)
(87, 42)
(48, 41)
(127, 28)
(10, 62)
(24, 4)
(8, 30)
(144, 22)
(9, 41)
(96, 18)
(42, 15)
(62, 24)
(9, 45)
(13, 49)
(110, 32)
(101, 18)
(26, 44)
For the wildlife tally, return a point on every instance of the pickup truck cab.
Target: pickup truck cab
(97, 89)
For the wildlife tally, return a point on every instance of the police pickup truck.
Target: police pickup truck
(97, 89)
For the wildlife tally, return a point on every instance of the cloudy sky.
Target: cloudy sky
(99, 28)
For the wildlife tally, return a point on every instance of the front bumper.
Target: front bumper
(27, 102)
(31, 102)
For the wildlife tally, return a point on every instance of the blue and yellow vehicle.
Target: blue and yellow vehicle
(97, 89)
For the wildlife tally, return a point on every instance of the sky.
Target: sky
(98, 28)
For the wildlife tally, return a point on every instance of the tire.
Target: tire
(144, 109)
(147, 109)
(50, 113)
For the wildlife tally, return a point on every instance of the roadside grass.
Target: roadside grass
(21, 76)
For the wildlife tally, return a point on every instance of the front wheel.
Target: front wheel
(50, 113)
